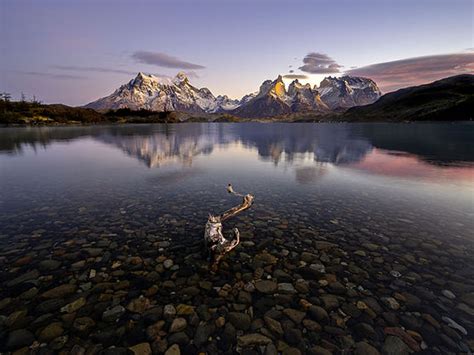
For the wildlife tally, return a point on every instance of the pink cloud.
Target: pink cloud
(391, 76)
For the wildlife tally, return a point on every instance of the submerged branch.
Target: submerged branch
(214, 239)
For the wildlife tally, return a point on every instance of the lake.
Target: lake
(360, 236)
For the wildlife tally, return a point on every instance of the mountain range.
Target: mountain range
(155, 93)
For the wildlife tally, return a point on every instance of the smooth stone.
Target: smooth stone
(173, 350)
(184, 310)
(363, 348)
(452, 324)
(318, 267)
(168, 263)
(324, 245)
(291, 351)
(139, 305)
(141, 349)
(266, 258)
(311, 325)
(74, 306)
(253, 339)
(60, 291)
(337, 288)
(319, 350)
(94, 252)
(273, 325)
(390, 302)
(448, 294)
(395, 346)
(83, 324)
(330, 302)
(113, 314)
(294, 315)
(240, 321)
(52, 331)
(318, 313)
(49, 265)
(31, 275)
(266, 286)
(178, 325)
(169, 311)
(286, 288)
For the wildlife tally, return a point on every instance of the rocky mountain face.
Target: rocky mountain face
(162, 94)
(347, 91)
(273, 100)
(177, 94)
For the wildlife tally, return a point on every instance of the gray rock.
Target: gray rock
(363, 348)
(252, 340)
(448, 294)
(319, 314)
(240, 321)
(113, 314)
(294, 315)
(266, 286)
(169, 311)
(394, 346)
(173, 350)
(178, 325)
(286, 288)
(274, 326)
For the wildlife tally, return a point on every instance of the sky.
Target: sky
(73, 52)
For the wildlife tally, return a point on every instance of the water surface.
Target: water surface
(345, 213)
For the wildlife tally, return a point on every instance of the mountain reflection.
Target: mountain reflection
(327, 144)
(338, 144)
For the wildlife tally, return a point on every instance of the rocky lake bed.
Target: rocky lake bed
(288, 288)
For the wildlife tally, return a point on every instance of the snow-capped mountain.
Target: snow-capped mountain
(348, 91)
(177, 94)
(160, 94)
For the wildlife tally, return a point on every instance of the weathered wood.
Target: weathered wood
(214, 239)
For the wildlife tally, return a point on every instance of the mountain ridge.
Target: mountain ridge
(154, 93)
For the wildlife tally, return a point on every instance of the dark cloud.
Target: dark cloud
(163, 60)
(295, 76)
(291, 71)
(52, 75)
(391, 76)
(93, 69)
(318, 63)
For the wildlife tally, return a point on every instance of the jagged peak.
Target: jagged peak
(181, 77)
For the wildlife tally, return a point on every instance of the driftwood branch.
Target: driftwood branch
(215, 242)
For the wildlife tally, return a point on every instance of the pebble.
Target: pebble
(253, 339)
(141, 349)
(113, 314)
(448, 294)
(266, 286)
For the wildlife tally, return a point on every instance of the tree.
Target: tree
(5, 97)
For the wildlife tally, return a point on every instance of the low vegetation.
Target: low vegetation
(35, 113)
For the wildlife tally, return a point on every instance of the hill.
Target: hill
(449, 99)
